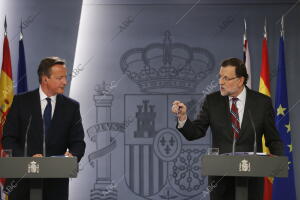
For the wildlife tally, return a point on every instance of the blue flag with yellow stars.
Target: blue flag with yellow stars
(283, 188)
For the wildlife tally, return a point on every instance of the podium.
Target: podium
(38, 168)
(242, 167)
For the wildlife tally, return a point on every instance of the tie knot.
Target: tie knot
(234, 99)
(48, 100)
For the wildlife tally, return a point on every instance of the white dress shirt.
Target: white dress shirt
(240, 105)
(43, 100)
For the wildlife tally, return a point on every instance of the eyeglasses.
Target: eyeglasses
(225, 78)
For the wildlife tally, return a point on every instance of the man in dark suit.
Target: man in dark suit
(51, 113)
(228, 112)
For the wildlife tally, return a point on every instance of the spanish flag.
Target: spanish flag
(6, 88)
(264, 87)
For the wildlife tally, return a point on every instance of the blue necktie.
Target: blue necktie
(47, 115)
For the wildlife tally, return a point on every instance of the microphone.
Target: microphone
(44, 139)
(233, 145)
(26, 136)
(252, 123)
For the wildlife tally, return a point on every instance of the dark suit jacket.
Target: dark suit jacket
(215, 113)
(66, 130)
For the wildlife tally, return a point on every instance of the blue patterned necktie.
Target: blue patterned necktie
(235, 121)
(47, 115)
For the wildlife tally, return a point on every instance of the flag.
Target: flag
(264, 81)
(6, 88)
(265, 88)
(247, 56)
(22, 77)
(283, 188)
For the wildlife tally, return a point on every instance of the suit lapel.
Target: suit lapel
(36, 109)
(57, 112)
(246, 119)
(227, 118)
(37, 114)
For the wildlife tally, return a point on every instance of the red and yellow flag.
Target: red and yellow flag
(264, 87)
(6, 88)
(264, 81)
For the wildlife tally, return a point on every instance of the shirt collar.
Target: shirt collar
(43, 96)
(241, 96)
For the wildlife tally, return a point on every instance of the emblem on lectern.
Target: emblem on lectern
(33, 168)
(245, 166)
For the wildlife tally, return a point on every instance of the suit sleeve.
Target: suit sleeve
(76, 142)
(193, 130)
(273, 141)
(11, 130)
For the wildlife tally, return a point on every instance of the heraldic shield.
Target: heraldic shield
(157, 163)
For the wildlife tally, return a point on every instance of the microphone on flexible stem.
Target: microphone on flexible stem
(252, 123)
(26, 136)
(233, 145)
(44, 140)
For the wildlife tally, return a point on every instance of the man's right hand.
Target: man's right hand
(179, 109)
(37, 155)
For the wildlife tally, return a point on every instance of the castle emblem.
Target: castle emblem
(245, 166)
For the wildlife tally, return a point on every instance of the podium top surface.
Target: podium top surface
(47, 167)
(245, 165)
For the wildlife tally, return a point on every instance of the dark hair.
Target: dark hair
(240, 67)
(46, 64)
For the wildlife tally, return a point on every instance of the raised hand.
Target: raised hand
(179, 109)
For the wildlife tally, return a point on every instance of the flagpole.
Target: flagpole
(265, 28)
(282, 27)
(21, 31)
(245, 33)
(247, 55)
(5, 27)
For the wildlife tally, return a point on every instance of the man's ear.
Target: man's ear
(242, 80)
(44, 79)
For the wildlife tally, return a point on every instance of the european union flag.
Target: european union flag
(283, 188)
(22, 77)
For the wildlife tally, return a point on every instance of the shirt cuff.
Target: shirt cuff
(181, 123)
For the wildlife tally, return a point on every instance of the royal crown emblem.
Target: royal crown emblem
(33, 168)
(167, 67)
(245, 166)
